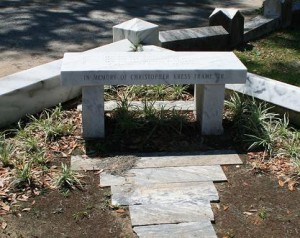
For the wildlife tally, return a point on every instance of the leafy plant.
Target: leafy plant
(67, 179)
(255, 126)
(24, 176)
(7, 150)
(51, 124)
(262, 213)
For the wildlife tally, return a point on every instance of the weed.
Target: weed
(80, 215)
(51, 124)
(31, 144)
(255, 126)
(7, 150)
(67, 179)
(23, 176)
(137, 48)
(262, 213)
(38, 158)
(178, 91)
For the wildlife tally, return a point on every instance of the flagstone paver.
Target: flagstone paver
(166, 175)
(162, 159)
(168, 213)
(192, 192)
(216, 157)
(168, 194)
(201, 229)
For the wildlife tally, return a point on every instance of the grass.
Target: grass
(275, 57)
(258, 128)
(67, 179)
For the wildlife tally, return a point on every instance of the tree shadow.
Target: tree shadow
(54, 27)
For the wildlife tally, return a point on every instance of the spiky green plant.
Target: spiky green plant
(67, 179)
(7, 150)
(23, 176)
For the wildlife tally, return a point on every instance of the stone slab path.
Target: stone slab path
(168, 194)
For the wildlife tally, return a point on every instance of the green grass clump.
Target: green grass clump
(276, 56)
(7, 151)
(257, 128)
(52, 124)
(67, 179)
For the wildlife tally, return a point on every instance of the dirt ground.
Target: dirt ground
(252, 204)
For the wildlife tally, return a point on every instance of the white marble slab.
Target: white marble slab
(201, 229)
(35, 89)
(229, 12)
(215, 157)
(191, 192)
(164, 159)
(137, 32)
(169, 213)
(152, 68)
(107, 180)
(269, 90)
(166, 175)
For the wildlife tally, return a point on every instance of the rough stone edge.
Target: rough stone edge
(32, 90)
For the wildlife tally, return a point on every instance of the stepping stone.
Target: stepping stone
(169, 213)
(182, 230)
(167, 175)
(215, 157)
(192, 192)
(80, 163)
(156, 160)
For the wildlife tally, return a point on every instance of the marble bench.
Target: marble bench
(209, 71)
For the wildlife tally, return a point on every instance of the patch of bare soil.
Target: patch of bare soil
(83, 213)
(255, 205)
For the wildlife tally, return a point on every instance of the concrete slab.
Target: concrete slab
(192, 192)
(169, 213)
(181, 230)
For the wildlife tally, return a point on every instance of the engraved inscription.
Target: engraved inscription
(151, 76)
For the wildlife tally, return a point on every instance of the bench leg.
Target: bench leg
(93, 112)
(209, 102)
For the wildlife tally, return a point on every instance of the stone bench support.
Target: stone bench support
(209, 71)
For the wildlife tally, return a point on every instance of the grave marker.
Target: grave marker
(209, 71)
(137, 32)
(232, 21)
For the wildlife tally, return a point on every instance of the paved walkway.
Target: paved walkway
(34, 32)
(168, 194)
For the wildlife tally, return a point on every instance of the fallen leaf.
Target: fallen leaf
(281, 183)
(225, 208)
(291, 185)
(120, 210)
(98, 172)
(2, 212)
(26, 209)
(248, 213)
(1, 182)
(3, 225)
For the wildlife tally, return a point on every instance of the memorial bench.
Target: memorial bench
(209, 71)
